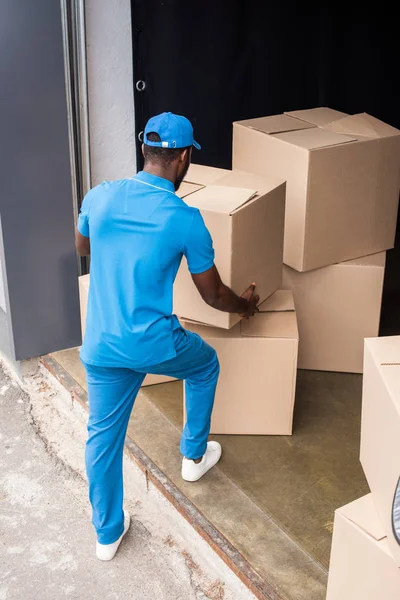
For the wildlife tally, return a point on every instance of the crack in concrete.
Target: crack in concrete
(48, 447)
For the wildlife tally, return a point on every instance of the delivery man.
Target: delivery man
(136, 231)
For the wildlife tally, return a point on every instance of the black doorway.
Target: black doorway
(217, 62)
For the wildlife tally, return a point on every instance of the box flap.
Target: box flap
(276, 319)
(275, 124)
(363, 125)
(185, 189)
(311, 139)
(204, 175)
(220, 199)
(278, 323)
(363, 513)
(271, 325)
(386, 354)
(242, 179)
(317, 116)
(281, 301)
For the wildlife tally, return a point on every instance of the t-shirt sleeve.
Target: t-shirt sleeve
(199, 249)
(83, 219)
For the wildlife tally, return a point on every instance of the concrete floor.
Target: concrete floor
(47, 542)
(298, 481)
(272, 497)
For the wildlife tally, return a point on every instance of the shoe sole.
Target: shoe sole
(204, 473)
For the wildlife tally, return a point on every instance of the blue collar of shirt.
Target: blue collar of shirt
(159, 182)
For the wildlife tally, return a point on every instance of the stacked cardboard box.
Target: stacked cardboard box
(258, 359)
(361, 567)
(380, 428)
(365, 560)
(337, 307)
(245, 215)
(342, 174)
(342, 189)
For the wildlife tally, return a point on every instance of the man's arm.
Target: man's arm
(82, 231)
(82, 244)
(216, 294)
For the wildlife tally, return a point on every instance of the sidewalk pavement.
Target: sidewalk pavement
(46, 539)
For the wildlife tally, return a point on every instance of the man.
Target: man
(136, 232)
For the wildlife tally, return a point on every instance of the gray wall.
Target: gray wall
(35, 188)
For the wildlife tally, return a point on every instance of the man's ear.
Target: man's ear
(143, 149)
(184, 155)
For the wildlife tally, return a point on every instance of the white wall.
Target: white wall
(3, 274)
(7, 350)
(2, 289)
(110, 89)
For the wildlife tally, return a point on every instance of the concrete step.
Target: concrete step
(259, 551)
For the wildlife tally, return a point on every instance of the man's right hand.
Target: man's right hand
(252, 299)
(221, 297)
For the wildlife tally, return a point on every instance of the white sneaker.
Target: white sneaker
(192, 471)
(108, 551)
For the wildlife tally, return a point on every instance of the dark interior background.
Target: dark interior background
(226, 60)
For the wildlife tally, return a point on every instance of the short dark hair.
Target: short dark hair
(164, 156)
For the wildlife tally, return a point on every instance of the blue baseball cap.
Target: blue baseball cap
(175, 131)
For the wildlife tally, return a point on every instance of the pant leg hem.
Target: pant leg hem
(193, 454)
(109, 537)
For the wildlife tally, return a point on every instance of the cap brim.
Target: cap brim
(196, 145)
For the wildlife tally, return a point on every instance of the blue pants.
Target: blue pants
(112, 393)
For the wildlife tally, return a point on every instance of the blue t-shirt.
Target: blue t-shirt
(139, 229)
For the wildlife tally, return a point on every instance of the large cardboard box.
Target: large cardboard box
(380, 428)
(342, 176)
(362, 567)
(337, 307)
(245, 215)
(258, 359)
(84, 282)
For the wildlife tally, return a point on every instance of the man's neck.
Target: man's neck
(159, 171)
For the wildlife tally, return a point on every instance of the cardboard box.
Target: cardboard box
(84, 282)
(342, 176)
(380, 428)
(337, 307)
(156, 380)
(361, 565)
(245, 216)
(258, 359)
